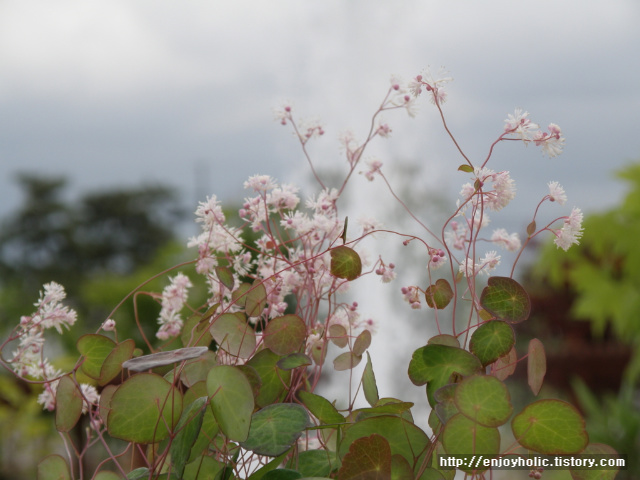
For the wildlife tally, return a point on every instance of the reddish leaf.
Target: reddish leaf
(536, 365)
(368, 458)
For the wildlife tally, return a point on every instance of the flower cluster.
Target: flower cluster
(523, 128)
(174, 297)
(29, 360)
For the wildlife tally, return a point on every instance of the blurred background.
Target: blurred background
(117, 117)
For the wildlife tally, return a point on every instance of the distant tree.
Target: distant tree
(50, 238)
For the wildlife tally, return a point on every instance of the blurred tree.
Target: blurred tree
(588, 301)
(111, 231)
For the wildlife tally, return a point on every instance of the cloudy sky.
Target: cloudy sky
(123, 92)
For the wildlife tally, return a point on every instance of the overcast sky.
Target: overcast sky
(122, 92)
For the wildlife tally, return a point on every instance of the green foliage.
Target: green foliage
(603, 272)
(230, 391)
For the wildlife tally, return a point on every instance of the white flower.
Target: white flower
(552, 142)
(571, 231)
(520, 125)
(556, 193)
(511, 242)
(260, 183)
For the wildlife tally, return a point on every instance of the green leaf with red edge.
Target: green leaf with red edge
(465, 168)
(404, 437)
(506, 299)
(439, 294)
(369, 385)
(368, 458)
(112, 365)
(95, 349)
(321, 408)
(53, 467)
(68, 404)
(256, 299)
(550, 427)
(295, 360)
(338, 335)
(444, 339)
(104, 405)
(484, 399)
(142, 408)
(345, 263)
(346, 361)
(225, 275)
(491, 341)
(595, 451)
(239, 295)
(275, 428)
(274, 381)
(362, 343)
(536, 365)
(434, 365)
(234, 336)
(232, 401)
(462, 436)
(285, 334)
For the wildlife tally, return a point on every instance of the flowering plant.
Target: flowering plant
(231, 388)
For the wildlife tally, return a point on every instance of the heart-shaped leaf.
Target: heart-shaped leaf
(506, 299)
(345, 263)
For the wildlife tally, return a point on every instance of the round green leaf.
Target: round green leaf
(256, 299)
(95, 349)
(484, 399)
(536, 365)
(53, 467)
(233, 335)
(104, 405)
(491, 341)
(369, 386)
(274, 380)
(338, 335)
(345, 263)
(434, 365)
(506, 299)
(231, 400)
(68, 404)
(316, 463)
(346, 361)
(367, 458)
(195, 331)
(142, 408)
(239, 295)
(551, 427)
(209, 428)
(362, 343)
(285, 334)
(463, 436)
(188, 429)
(295, 360)
(404, 437)
(444, 339)
(112, 365)
(446, 406)
(439, 295)
(275, 428)
(225, 275)
(321, 408)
